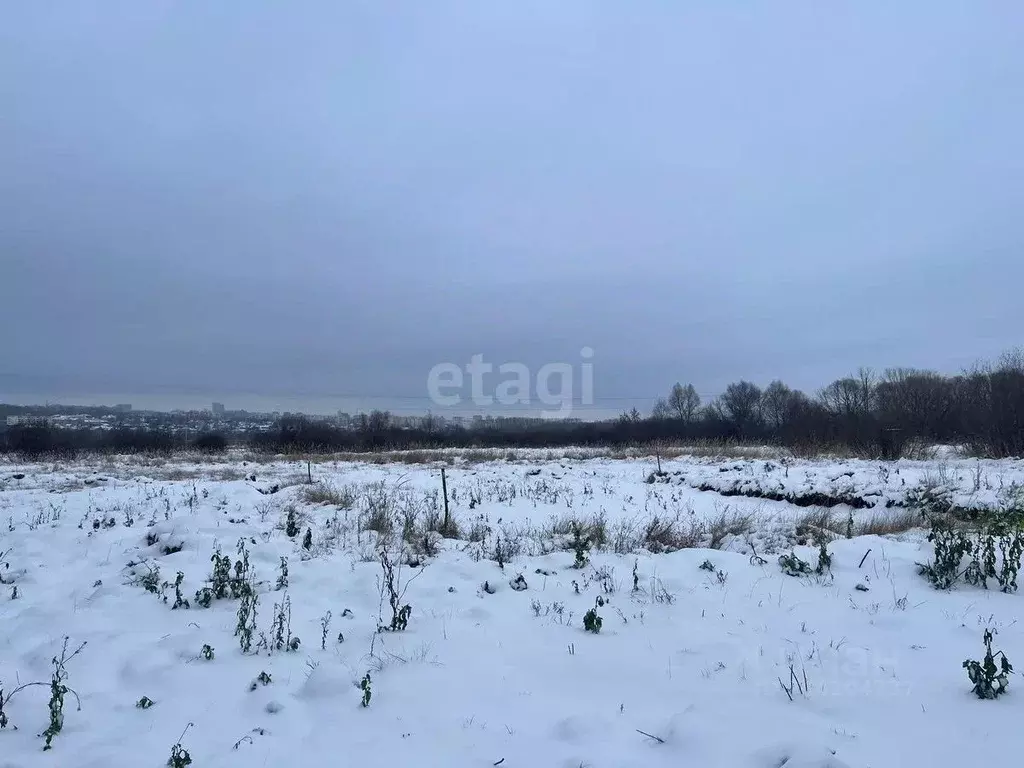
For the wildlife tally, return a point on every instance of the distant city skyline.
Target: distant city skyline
(313, 406)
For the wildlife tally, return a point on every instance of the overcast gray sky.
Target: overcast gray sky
(259, 200)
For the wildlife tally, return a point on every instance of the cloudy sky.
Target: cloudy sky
(311, 202)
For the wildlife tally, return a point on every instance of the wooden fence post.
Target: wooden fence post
(444, 489)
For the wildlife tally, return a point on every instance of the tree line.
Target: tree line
(866, 414)
(40, 438)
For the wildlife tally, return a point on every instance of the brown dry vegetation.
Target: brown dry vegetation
(326, 493)
(889, 522)
(728, 523)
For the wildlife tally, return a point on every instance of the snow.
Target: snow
(972, 482)
(685, 670)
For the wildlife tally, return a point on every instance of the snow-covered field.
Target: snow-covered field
(688, 668)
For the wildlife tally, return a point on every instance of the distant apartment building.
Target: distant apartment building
(218, 409)
(27, 421)
(408, 422)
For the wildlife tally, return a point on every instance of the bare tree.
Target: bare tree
(1011, 361)
(918, 402)
(377, 422)
(775, 405)
(684, 402)
(631, 416)
(852, 396)
(741, 404)
(429, 423)
(661, 410)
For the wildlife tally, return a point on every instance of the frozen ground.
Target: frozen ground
(685, 670)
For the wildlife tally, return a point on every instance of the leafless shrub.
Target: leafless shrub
(728, 523)
(335, 533)
(265, 509)
(663, 534)
(508, 544)
(408, 517)
(919, 450)
(560, 525)
(889, 522)
(626, 535)
(326, 493)
(596, 527)
(433, 520)
(378, 511)
(478, 455)
(819, 524)
(479, 530)
(449, 529)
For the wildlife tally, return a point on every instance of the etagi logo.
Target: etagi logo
(555, 384)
